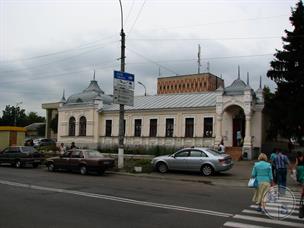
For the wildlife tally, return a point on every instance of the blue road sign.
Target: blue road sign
(123, 76)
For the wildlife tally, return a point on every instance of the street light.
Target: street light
(17, 105)
(140, 83)
(121, 106)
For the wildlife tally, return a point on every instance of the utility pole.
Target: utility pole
(121, 106)
(16, 109)
(199, 60)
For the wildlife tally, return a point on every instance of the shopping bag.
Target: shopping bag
(293, 175)
(252, 183)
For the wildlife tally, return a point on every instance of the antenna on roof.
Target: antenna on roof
(260, 81)
(239, 77)
(94, 75)
(208, 67)
(247, 78)
(199, 60)
(159, 73)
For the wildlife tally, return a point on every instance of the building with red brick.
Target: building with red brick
(192, 83)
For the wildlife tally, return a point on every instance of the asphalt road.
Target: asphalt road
(37, 198)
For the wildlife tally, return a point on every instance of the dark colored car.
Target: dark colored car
(82, 161)
(19, 156)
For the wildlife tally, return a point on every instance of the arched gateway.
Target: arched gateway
(239, 118)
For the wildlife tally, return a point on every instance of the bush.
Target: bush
(144, 163)
(141, 150)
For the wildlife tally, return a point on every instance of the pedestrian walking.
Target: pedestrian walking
(299, 166)
(221, 147)
(263, 174)
(61, 149)
(273, 166)
(282, 164)
(73, 146)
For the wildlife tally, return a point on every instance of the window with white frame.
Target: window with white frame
(169, 127)
(137, 127)
(189, 127)
(208, 127)
(153, 128)
(108, 128)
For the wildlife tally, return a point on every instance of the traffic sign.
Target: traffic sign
(123, 88)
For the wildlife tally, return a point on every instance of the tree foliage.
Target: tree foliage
(286, 106)
(12, 116)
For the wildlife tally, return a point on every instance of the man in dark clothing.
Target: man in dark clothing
(282, 163)
(73, 146)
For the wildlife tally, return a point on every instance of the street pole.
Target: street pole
(17, 105)
(121, 106)
(140, 83)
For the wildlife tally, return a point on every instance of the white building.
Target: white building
(90, 119)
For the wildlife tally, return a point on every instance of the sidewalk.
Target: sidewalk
(238, 176)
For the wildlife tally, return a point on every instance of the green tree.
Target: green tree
(287, 71)
(32, 117)
(12, 115)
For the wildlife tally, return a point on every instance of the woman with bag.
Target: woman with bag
(263, 173)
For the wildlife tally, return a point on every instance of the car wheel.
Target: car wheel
(207, 170)
(35, 165)
(162, 167)
(83, 170)
(51, 167)
(18, 164)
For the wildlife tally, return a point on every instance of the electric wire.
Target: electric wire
(137, 17)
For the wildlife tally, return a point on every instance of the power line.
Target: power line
(82, 46)
(139, 12)
(198, 39)
(53, 75)
(154, 62)
(59, 60)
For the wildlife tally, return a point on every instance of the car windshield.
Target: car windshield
(94, 154)
(214, 152)
(28, 149)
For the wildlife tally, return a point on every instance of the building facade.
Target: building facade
(193, 83)
(232, 114)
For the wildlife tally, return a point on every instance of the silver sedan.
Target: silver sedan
(204, 160)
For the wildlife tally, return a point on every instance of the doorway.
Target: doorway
(238, 129)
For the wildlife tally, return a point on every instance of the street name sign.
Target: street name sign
(123, 88)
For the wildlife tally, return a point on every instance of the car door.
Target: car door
(76, 157)
(63, 161)
(196, 159)
(4, 155)
(179, 160)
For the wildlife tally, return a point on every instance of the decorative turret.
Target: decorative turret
(259, 92)
(63, 100)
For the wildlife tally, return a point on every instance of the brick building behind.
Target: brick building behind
(192, 83)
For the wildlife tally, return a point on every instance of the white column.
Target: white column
(218, 133)
(247, 140)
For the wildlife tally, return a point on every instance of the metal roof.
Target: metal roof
(237, 87)
(88, 95)
(193, 100)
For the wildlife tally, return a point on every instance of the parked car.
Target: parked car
(19, 156)
(81, 160)
(204, 160)
(44, 142)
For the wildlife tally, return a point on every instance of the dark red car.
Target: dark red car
(82, 161)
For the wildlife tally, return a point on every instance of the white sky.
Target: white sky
(48, 46)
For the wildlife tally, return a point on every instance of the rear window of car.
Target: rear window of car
(94, 154)
(28, 149)
(214, 152)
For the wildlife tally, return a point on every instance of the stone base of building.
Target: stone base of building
(247, 153)
(234, 152)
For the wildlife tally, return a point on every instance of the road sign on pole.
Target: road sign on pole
(123, 88)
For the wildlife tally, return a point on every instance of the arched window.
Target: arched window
(72, 126)
(82, 126)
